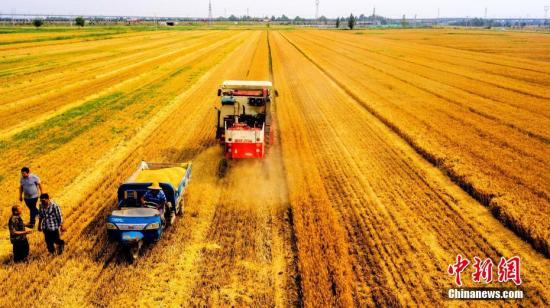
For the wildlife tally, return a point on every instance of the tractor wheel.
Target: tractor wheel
(134, 251)
(171, 217)
(181, 207)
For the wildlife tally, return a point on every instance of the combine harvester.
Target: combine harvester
(135, 222)
(243, 123)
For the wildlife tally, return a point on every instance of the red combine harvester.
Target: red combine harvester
(243, 118)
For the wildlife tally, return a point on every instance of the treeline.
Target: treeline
(489, 23)
(79, 21)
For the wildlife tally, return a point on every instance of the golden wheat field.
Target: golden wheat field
(394, 151)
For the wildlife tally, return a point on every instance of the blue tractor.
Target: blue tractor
(137, 221)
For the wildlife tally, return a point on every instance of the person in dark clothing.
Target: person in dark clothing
(18, 235)
(154, 195)
(51, 223)
(29, 190)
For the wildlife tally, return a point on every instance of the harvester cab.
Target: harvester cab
(243, 125)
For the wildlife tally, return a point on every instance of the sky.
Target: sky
(291, 8)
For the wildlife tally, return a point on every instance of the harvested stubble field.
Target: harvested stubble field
(394, 151)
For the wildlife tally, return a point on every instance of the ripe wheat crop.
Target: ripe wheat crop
(392, 152)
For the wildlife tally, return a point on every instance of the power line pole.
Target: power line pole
(209, 12)
(316, 9)
(485, 13)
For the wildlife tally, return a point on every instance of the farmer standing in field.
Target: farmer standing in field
(29, 189)
(51, 223)
(18, 235)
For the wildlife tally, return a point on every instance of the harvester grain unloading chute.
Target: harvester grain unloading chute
(243, 123)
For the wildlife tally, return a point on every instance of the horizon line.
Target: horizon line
(251, 17)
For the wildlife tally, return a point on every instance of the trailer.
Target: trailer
(243, 123)
(134, 222)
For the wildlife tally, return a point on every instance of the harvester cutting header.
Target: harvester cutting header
(243, 125)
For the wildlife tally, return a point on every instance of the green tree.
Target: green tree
(38, 23)
(337, 22)
(284, 18)
(404, 22)
(79, 21)
(351, 22)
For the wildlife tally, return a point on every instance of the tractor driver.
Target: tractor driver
(154, 195)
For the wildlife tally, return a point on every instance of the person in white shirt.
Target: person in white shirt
(29, 190)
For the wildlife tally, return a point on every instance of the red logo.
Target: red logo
(483, 270)
(457, 268)
(508, 270)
